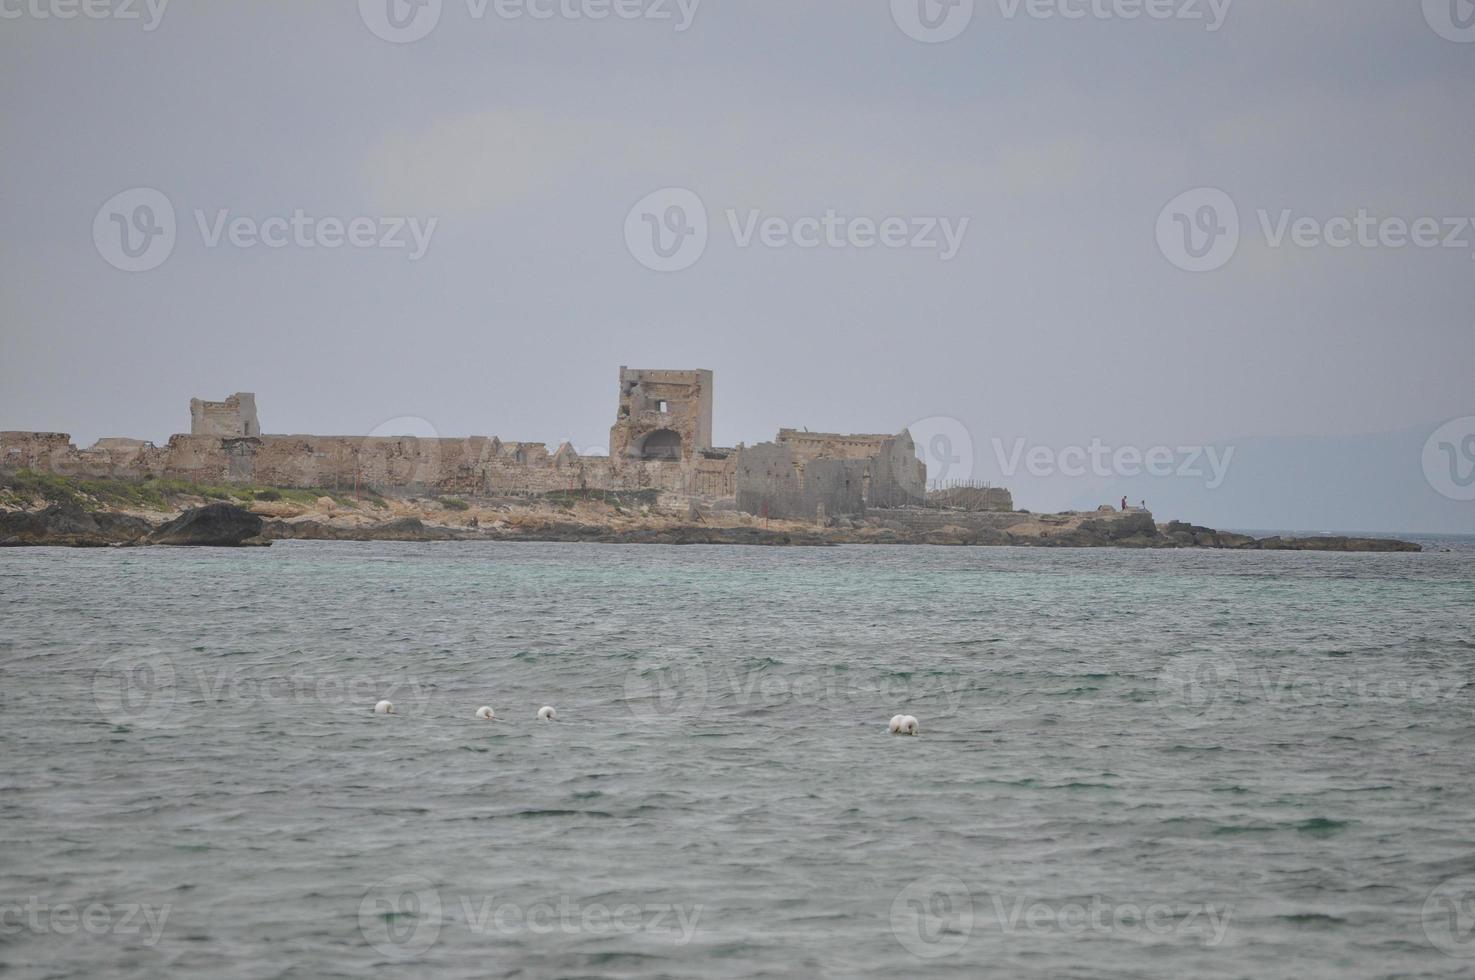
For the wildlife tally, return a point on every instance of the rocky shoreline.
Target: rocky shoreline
(71, 524)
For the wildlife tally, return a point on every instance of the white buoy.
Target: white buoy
(908, 725)
(486, 714)
(546, 713)
(895, 726)
(383, 708)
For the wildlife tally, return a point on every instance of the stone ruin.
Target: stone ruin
(234, 418)
(661, 440)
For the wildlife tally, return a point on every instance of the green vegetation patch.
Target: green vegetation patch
(28, 486)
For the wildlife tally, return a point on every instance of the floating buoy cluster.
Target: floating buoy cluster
(484, 713)
(903, 725)
(900, 724)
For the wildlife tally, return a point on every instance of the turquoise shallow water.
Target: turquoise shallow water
(1131, 764)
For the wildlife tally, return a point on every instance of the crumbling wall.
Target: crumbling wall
(661, 440)
(771, 482)
(970, 498)
(714, 474)
(662, 415)
(234, 418)
(53, 452)
(895, 477)
(831, 445)
(46, 451)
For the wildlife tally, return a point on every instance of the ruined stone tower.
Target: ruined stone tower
(234, 418)
(663, 415)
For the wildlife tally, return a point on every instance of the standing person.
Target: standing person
(1124, 503)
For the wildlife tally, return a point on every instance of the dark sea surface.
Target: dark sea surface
(1131, 764)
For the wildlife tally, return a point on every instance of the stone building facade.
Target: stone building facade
(661, 440)
(663, 415)
(234, 418)
(818, 475)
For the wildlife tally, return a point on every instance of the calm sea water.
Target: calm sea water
(1131, 764)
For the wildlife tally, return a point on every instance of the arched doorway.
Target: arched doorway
(661, 444)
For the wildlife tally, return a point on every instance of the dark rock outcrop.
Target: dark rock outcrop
(717, 535)
(215, 525)
(67, 525)
(1181, 535)
(1135, 524)
(403, 529)
(1336, 543)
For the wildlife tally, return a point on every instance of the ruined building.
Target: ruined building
(661, 440)
(234, 418)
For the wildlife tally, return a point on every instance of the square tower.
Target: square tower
(663, 415)
(234, 418)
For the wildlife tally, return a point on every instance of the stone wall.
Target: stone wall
(895, 476)
(662, 415)
(234, 418)
(661, 440)
(972, 498)
(475, 465)
(772, 483)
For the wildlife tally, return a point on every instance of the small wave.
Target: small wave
(1312, 920)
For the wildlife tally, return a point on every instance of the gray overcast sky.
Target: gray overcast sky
(530, 140)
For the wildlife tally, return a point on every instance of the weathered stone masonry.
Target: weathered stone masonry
(661, 440)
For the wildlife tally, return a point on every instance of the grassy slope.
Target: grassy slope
(26, 487)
